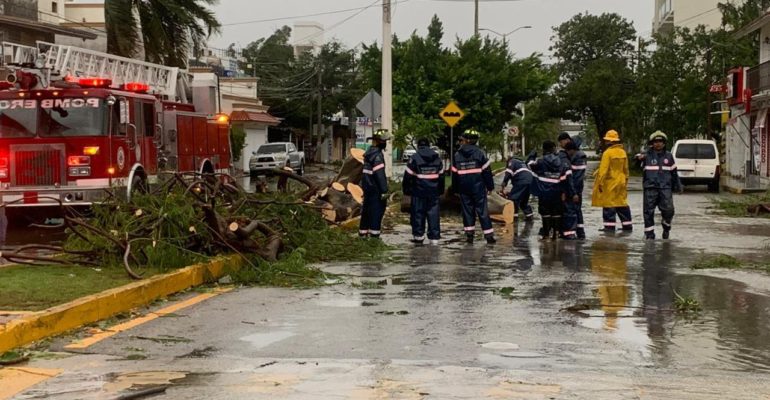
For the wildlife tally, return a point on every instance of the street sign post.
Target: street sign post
(452, 114)
(371, 106)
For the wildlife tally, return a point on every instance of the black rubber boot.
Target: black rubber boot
(490, 238)
(468, 238)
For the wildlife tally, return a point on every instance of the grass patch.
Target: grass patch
(27, 288)
(723, 261)
(739, 206)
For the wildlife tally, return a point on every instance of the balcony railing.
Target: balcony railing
(759, 78)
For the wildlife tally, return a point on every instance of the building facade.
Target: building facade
(747, 138)
(86, 15)
(307, 36)
(25, 22)
(686, 14)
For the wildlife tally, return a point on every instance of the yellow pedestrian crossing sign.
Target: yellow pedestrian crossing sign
(452, 114)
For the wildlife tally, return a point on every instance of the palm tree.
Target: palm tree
(167, 29)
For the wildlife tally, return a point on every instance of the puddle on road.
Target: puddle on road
(627, 284)
(134, 380)
(262, 340)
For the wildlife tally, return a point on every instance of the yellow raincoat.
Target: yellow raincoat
(610, 186)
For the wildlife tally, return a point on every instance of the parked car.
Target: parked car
(408, 153)
(697, 162)
(276, 155)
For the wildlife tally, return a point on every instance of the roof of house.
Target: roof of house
(46, 27)
(753, 26)
(248, 116)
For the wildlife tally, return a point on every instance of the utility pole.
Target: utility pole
(476, 19)
(708, 96)
(319, 122)
(387, 84)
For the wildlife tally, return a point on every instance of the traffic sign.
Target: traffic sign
(371, 105)
(452, 114)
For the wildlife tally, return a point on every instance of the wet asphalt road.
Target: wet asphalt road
(431, 323)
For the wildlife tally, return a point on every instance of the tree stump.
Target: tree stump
(352, 169)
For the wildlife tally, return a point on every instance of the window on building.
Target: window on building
(55, 7)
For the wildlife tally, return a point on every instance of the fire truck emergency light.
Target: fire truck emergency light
(95, 82)
(91, 150)
(222, 118)
(74, 161)
(136, 87)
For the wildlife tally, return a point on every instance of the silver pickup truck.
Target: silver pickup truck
(276, 155)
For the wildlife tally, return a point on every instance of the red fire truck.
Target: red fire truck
(74, 122)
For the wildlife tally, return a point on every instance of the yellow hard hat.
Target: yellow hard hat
(612, 136)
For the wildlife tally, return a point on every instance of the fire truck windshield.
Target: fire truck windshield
(57, 117)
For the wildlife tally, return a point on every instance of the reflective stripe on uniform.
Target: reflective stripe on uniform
(671, 168)
(627, 223)
(489, 231)
(469, 171)
(579, 167)
(368, 171)
(469, 228)
(518, 171)
(428, 176)
(374, 232)
(409, 171)
(570, 233)
(652, 168)
(378, 167)
(650, 229)
(612, 224)
(548, 180)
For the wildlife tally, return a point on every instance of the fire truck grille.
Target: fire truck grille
(38, 167)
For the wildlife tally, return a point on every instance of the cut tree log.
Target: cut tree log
(345, 207)
(500, 209)
(338, 186)
(356, 192)
(352, 169)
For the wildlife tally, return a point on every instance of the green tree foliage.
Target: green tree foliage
(237, 141)
(289, 85)
(673, 81)
(169, 29)
(595, 59)
(479, 73)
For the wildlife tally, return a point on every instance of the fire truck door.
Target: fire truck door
(146, 122)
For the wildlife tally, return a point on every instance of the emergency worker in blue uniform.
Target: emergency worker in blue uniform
(661, 179)
(572, 156)
(521, 180)
(472, 179)
(424, 182)
(375, 186)
(552, 186)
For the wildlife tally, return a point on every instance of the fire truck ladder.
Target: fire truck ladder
(63, 61)
(16, 54)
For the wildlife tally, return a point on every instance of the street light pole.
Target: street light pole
(387, 84)
(505, 35)
(476, 19)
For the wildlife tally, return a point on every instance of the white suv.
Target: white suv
(698, 162)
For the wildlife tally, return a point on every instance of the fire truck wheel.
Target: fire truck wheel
(138, 185)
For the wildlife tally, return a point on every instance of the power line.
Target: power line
(257, 21)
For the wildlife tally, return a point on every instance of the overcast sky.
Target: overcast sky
(409, 15)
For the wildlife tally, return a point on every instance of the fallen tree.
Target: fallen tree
(190, 217)
(501, 210)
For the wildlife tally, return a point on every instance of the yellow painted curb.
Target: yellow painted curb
(15, 380)
(97, 307)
